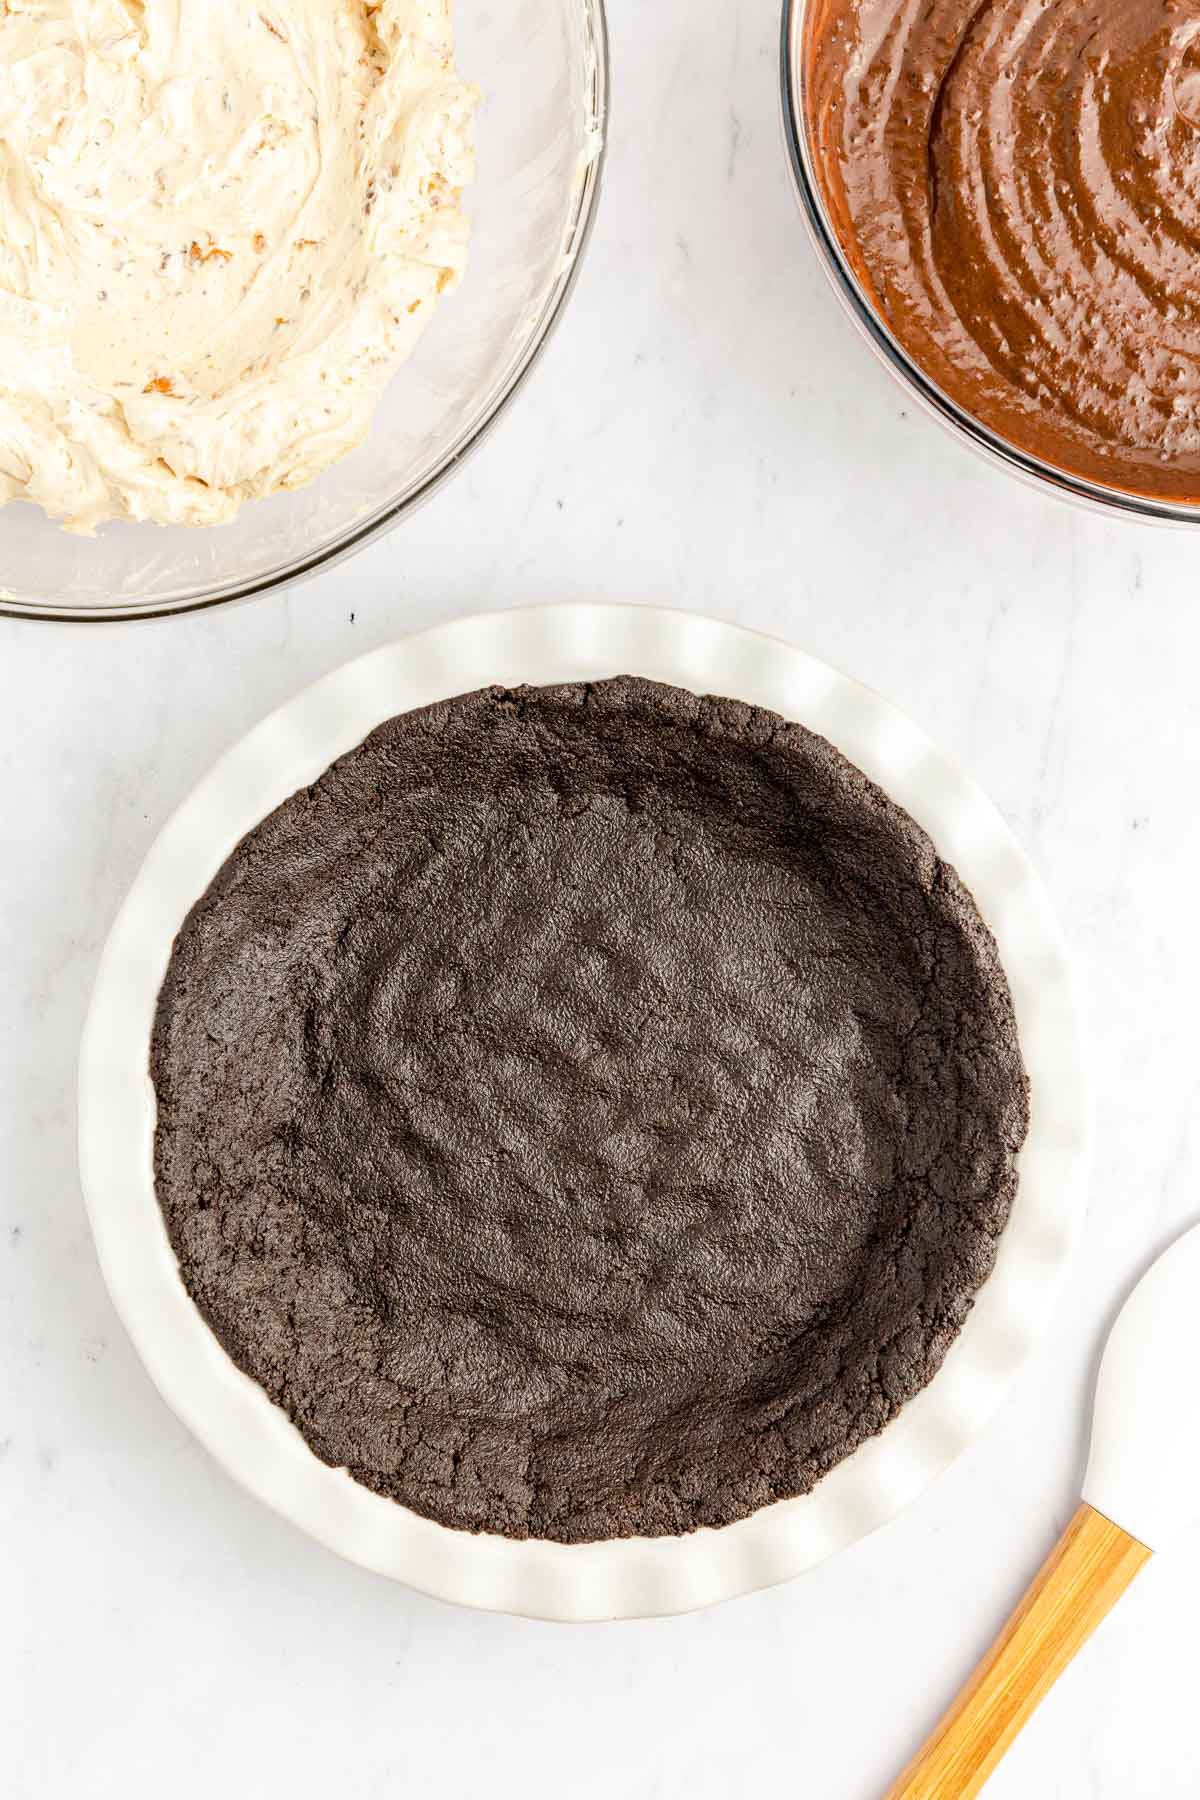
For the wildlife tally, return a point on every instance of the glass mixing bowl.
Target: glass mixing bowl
(543, 69)
(891, 352)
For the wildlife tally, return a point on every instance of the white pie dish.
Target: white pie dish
(234, 1418)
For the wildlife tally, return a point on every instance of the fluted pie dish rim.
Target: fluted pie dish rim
(617, 1578)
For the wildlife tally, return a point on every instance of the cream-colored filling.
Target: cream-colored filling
(222, 226)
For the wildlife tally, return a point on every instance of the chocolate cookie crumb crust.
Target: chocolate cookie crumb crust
(586, 1111)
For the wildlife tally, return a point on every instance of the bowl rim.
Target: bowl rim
(1031, 469)
(576, 239)
(232, 1416)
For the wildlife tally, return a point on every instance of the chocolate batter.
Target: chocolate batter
(1016, 184)
(587, 1110)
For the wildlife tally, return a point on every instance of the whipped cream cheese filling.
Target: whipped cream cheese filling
(222, 227)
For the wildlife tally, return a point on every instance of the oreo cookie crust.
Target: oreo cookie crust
(587, 1110)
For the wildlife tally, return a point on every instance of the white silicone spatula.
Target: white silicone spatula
(1143, 1484)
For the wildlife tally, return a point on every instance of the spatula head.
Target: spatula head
(1144, 1471)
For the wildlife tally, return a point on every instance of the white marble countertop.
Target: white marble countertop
(707, 431)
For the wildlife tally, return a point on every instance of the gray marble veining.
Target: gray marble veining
(705, 431)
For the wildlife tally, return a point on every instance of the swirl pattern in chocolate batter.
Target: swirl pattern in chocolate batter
(586, 1110)
(1017, 185)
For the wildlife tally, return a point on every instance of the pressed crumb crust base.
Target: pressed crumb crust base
(587, 1111)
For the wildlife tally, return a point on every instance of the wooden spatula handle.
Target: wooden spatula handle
(1083, 1578)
